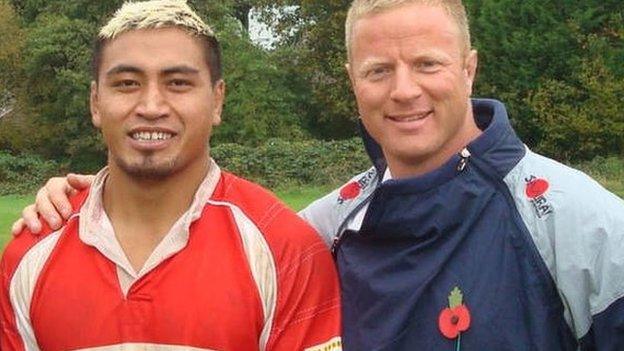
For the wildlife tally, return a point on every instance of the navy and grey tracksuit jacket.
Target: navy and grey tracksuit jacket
(536, 248)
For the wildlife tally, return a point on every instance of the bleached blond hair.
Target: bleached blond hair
(154, 14)
(362, 8)
(159, 14)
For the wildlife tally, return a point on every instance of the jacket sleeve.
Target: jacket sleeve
(322, 215)
(328, 213)
(577, 227)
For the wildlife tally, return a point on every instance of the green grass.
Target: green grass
(10, 208)
(299, 197)
(608, 171)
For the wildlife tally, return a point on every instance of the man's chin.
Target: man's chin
(147, 170)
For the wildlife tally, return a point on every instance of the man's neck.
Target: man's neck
(142, 211)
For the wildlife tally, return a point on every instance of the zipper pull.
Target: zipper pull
(465, 155)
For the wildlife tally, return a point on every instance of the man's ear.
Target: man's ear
(218, 101)
(350, 73)
(470, 69)
(93, 105)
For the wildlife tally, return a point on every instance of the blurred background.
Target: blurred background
(290, 118)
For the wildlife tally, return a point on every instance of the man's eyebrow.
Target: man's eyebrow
(183, 69)
(372, 62)
(123, 69)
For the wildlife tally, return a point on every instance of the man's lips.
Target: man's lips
(408, 117)
(151, 139)
(151, 134)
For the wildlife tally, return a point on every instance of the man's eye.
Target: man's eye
(126, 84)
(428, 66)
(179, 83)
(378, 72)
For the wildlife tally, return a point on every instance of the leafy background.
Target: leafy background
(290, 112)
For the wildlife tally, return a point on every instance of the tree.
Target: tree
(522, 44)
(11, 75)
(313, 31)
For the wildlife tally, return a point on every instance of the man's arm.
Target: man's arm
(52, 203)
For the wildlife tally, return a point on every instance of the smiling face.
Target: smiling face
(412, 79)
(155, 103)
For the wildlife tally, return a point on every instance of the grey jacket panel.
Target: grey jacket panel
(329, 213)
(578, 229)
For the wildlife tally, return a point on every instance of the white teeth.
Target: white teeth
(150, 136)
(409, 119)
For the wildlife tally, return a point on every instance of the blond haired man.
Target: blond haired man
(460, 238)
(166, 251)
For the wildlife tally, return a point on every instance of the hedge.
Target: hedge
(280, 163)
(22, 174)
(277, 163)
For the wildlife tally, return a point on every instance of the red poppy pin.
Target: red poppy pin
(454, 319)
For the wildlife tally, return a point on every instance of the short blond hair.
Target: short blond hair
(361, 8)
(154, 14)
(159, 14)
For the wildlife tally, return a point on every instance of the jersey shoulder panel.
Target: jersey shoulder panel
(578, 229)
(294, 271)
(25, 240)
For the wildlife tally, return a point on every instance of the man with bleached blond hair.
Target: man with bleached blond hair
(166, 251)
(459, 237)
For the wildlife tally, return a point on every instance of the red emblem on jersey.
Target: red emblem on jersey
(350, 191)
(536, 188)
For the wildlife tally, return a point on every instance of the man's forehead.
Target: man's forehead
(415, 25)
(153, 50)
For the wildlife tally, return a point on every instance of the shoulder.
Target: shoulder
(578, 229)
(279, 225)
(543, 188)
(17, 248)
(25, 242)
(329, 212)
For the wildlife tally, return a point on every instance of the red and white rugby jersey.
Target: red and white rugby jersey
(238, 271)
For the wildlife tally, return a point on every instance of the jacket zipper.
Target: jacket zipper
(463, 162)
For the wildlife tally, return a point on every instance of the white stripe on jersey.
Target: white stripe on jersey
(23, 285)
(262, 266)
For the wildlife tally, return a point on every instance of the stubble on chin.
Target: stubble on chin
(146, 169)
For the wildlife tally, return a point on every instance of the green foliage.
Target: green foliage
(11, 43)
(279, 162)
(56, 66)
(524, 44)
(556, 64)
(581, 119)
(316, 30)
(23, 174)
(608, 171)
(261, 101)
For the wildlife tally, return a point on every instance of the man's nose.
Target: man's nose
(406, 86)
(153, 103)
